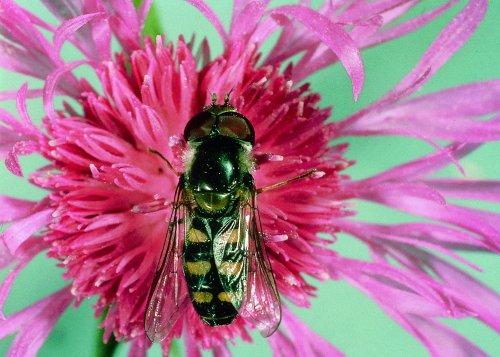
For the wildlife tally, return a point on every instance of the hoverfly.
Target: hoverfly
(214, 255)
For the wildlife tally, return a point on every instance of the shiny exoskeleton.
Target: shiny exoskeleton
(219, 183)
(214, 252)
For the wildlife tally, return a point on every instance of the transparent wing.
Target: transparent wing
(168, 296)
(230, 248)
(253, 277)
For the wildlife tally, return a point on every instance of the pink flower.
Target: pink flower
(108, 198)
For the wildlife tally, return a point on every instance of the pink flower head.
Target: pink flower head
(108, 200)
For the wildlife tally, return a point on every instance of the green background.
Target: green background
(341, 314)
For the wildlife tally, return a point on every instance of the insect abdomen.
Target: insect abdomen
(210, 300)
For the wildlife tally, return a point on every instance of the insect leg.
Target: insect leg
(308, 173)
(166, 161)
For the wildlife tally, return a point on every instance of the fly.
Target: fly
(214, 254)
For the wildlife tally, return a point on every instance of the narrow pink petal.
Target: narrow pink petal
(7, 283)
(20, 231)
(19, 60)
(442, 115)
(242, 26)
(29, 127)
(12, 164)
(333, 36)
(221, 350)
(442, 341)
(408, 26)
(30, 93)
(6, 258)
(125, 10)
(365, 30)
(357, 11)
(25, 126)
(454, 35)
(22, 139)
(421, 201)
(93, 39)
(125, 25)
(52, 82)
(419, 168)
(468, 291)
(424, 235)
(191, 346)
(21, 31)
(406, 292)
(268, 26)
(68, 28)
(483, 190)
(318, 57)
(212, 17)
(35, 323)
(280, 345)
(239, 5)
(437, 338)
(63, 10)
(20, 148)
(14, 208)
(139, 347)
(299, 340)
(446, 44)
(142, 12)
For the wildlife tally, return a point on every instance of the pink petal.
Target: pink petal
(483, 190)
(357, 11)
(20, 148)
(442, 341)
(420, 235)
(299, 340)
(68, 28)
(405, 291)
(139, 347)
(125, 26)
(437, 338)
(20, 231)
(242, 26)
(142, 12)
(7, 284)
(221, 350)
(34, 323)
(421, 201)
(25, 126)
(52, 82)
(12, 164)
(442, 115)
(333, 36)
(469, 292)
(408, 26)
(240, 5)
(28, 126)
(31, 93)
(420, 167)
(191, 346)
(454, 35)
(12, 209)
(212, 17)
(31, 49)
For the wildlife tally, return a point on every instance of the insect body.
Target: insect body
(214, 254)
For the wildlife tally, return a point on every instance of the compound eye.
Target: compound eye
(199, 125)
(236, 125)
